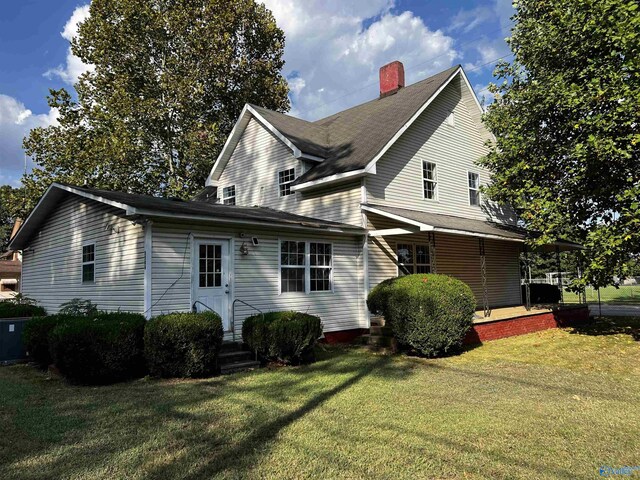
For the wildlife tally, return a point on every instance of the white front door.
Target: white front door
(211, 279)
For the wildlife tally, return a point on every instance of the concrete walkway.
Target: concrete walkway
(615, 310)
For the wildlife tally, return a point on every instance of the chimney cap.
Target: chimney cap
(391, 78)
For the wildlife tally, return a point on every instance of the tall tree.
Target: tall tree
(169, 79)
(566, 120)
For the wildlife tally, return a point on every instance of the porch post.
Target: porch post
(559, 267)
(483, 272)
(527, 286)
(432, 252)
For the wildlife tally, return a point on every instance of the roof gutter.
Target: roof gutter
(256, 223)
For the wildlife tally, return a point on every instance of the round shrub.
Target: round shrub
(429, 313)
(285, 336)
(11, 309)
(378, 297)
(35, 338)
(183, 344)
(102, 348)
(541, 293)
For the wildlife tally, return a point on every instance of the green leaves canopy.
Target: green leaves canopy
(566, 121)
(169, 80)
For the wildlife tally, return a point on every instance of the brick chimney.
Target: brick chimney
(391, 78)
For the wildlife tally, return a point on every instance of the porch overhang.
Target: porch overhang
(414, 221)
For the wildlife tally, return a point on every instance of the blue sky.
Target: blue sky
(333, 52)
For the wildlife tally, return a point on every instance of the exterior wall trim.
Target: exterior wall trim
(148, 262)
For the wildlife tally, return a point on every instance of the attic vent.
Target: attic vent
(391, 78)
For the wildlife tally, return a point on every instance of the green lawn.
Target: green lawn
(623, 294)
(554, 404)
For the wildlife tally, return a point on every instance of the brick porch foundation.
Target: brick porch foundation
(561, 317)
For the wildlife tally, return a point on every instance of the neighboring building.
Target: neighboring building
(295, 215)
(10, 269)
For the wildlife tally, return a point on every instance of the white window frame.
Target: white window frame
(470, 189)
(83, 263)
(225, 198)
(307, 266)
(287, 183)
(415, 263)
(451, 119)
(434, 181)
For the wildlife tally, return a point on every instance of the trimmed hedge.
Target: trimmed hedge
(102, 348)
(35, 337)
(10, 309)
(285, 336)
(428, 312)
(542, 293)
(183, 344)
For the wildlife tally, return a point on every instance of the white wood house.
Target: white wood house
(294, 215)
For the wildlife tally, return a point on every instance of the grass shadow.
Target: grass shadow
(604, 326)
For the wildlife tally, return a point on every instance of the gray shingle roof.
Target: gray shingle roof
(350, 139)
(268, 216)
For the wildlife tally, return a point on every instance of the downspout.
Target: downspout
(148, 257)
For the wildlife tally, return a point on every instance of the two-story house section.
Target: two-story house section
(295, 215)
(402, 165)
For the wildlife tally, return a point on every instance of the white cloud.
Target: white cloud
(74, 67)
(334, 48)
(15, 122)
(468, 20)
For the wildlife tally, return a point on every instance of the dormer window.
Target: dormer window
(229, 195)
(474, 188)
(285, 179)
(429, 180)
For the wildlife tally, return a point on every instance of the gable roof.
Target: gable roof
(349, 142)
(136, 205)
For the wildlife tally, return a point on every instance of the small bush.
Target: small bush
(11, 309)
(78, 307)
(427, 312)
(35, 337)
(285, 336)
(541, 293)
(102, 348)
(183, 344)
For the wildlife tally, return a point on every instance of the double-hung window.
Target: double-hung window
(285, 179)
(229, 195)
(306, 266)
(429, 180)
(474, 188)
(88, 263)
(293, 265)
(413, 258)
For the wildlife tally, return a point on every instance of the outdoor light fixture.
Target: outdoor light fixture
(244, 249)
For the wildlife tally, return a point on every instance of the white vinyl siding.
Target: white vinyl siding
(455, 149)
(455, 255)
(254, 169)
(52, 266)
(256, 276)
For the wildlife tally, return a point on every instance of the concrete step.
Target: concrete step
(241, 366)
(231, 356)
(377, 340)
(377, 322)
(230, 346)
(384, 331)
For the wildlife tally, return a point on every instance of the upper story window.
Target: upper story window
(88, 263)
(429, 180)
(285, 178)
(451, 119)
(413, 258)
(229, 195)
(474, 188)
